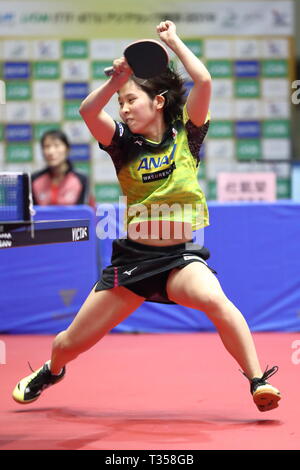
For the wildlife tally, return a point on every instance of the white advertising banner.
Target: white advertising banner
(94, 18)
(246, 187)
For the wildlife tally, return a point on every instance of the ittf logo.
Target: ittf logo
(79, 233)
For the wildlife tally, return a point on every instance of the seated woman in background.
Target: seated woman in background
(59, 183)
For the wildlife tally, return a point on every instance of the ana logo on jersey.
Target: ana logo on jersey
(148, 163)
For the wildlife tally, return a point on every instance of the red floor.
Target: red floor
(168, 391)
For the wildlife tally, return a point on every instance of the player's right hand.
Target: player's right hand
(121, 72)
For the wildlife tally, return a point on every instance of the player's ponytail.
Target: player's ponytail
(171, 86)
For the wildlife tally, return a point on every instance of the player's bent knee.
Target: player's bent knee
(219, 311)
(212, 304)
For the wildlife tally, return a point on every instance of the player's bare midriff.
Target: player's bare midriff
(160, 233)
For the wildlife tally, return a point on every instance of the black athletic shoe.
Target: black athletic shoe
(265, 396)
(30, 388)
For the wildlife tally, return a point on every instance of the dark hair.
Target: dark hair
(55, 134)
(172, 84)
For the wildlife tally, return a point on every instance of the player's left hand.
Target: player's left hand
(166, 31)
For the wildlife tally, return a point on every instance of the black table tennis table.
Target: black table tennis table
(25, 233)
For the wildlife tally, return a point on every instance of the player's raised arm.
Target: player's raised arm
(199, 97)
(100, 124)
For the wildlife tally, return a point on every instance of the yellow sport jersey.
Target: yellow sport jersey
(160, 179)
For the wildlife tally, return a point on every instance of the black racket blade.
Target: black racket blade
(147, 58)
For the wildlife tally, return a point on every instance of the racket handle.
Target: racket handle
(109, 71)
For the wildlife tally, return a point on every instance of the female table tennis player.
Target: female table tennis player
(155, 152)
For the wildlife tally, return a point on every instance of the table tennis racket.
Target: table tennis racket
(147, 58)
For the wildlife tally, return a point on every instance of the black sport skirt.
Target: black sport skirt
(144, 269)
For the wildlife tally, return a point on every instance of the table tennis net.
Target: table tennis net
(15, 197)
